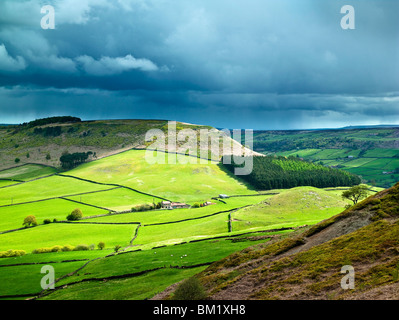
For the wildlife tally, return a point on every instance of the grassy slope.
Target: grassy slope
(314, 273)
(292, 208)
(13, 217)
(51, 187)
(67, 234)
(182, 182)
(147, 285)
(27, 172)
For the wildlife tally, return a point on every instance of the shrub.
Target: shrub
(12, 253)
(47, 221)
(143, 207)
(68, 248)
(55, 220)
(56, 249)
(82, 247)
(101, 245)
(196, 205)
(92, 246)
(190, 289)
(117, 248)
(75, 215)
(30, 221)
(17, 160)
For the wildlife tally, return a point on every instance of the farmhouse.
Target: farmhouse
(174, 205)
(223, 196)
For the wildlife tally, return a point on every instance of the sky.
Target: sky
(253, 64)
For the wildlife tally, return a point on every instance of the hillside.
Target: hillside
(306, 265)
(43, 141)
(372, 153)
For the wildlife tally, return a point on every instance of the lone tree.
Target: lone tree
(75, 215)
(30, 221)
(356, 193)
(101, 245)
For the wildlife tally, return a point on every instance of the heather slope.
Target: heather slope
(307, 264)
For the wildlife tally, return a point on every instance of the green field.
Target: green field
(165, 180)
(237, 223)
(27, 172)
(117, 200)
(67, 234)
(13, 217)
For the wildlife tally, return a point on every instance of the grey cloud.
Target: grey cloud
(8, 63)
(110, 66)
(247, 63)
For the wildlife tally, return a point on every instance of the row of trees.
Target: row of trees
(71, 160)
(30, 221)
(50, 120)
(281, 173)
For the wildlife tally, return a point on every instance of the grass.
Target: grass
(66, 234)
(188, 183)
(4, 183)
(164, 216)
(27, 172)
(21, 280)
(13, 217)
(118, 200)
(51, 187)
(291, 208)
(183, 231)
(181, 182)
(136, 288)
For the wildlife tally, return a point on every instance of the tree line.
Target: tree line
(72, 160)
(282, 173)
(50, 120)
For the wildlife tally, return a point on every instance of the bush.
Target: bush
(17, 160)
(75, 215)
(56, 249)
(12, 253)
(101, 245)
(143, 207)
(82, 247)
(117, 248)
(190, 289)
(196, 205)
(47, 250)
(68, 248)
(47, 221)
(30, 221)
(92, 246)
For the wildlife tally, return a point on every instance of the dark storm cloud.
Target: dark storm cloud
(253, 63)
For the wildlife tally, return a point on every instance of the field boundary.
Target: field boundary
(55, 198)
(111, 184)
(197, 218)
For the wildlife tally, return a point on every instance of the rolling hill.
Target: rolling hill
(307, 264)
(370, 152)
(141, 252)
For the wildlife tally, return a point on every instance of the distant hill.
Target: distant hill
(372, 153)
(44, 141)
(306, 265)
